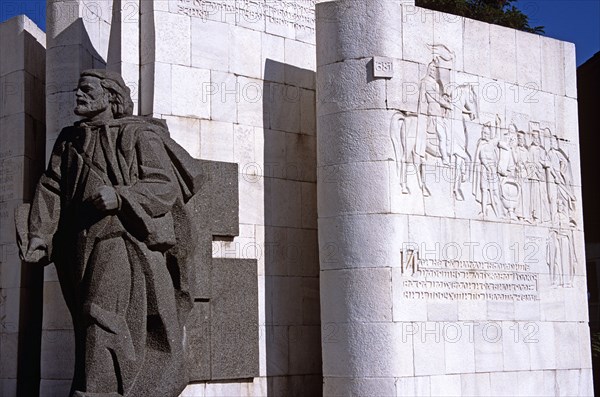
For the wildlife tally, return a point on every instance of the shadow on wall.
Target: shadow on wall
(588, 77)
(293, 333)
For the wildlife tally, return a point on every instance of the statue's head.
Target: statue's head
(535, 138)
(521, 138)
(103, 94)
(486, 131)
(432, 69)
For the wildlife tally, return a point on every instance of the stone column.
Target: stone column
(124, 45)
(22, 138)
(78, 34)
(359, 237)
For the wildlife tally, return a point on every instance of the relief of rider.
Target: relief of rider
(435, 103)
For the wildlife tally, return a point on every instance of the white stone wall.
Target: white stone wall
(235, 83)
(387, 241)
(22, 136)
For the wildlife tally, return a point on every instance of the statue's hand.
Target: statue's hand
(105, 199)
(36, 250)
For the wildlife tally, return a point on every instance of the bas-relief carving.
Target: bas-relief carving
(299, 14)
(466, 280)
(516, 176)
(430, 132)
(561, 255)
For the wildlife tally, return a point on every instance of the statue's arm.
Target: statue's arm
(45, 208)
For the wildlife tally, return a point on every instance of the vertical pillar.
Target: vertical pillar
(22, 136)
(359, 237)
(124, 45)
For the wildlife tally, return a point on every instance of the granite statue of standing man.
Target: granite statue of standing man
(110, 212)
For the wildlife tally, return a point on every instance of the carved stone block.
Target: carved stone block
(198, 342)
(234, 319)
(383, 68)
(216, 206)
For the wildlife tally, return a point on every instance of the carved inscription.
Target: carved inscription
(471, 280)
(8, 181)
(4, 211)
(383, 68)
(298, 14)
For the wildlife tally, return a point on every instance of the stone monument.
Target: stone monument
(450, 222)
(446, 257)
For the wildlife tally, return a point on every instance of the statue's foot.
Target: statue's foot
(405, 189)
(426, 192)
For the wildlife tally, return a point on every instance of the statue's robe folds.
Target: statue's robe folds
(125, 274)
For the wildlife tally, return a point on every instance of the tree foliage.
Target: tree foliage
(499, 12)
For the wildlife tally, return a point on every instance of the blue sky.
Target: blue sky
(577, 21)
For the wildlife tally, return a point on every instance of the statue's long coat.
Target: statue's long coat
(125, 274)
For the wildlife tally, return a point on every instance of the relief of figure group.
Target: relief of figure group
(516, 175)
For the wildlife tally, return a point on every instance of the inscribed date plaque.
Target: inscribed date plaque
(383, 68)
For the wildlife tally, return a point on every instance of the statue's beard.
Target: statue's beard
(87, 108)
